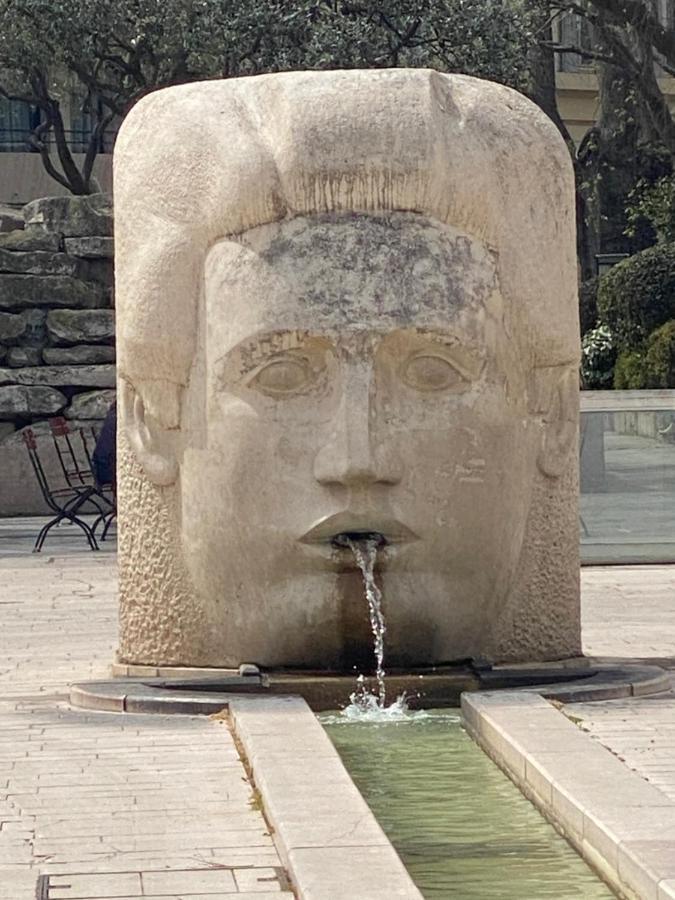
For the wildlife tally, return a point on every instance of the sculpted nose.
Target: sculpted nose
(348, 456)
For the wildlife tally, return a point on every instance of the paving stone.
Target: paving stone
(111, 793)
(195, 881)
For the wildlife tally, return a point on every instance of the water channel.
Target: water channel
(460, 826)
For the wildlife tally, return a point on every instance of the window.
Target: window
(17, 120)
(574, 31)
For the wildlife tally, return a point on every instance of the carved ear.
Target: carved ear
(152, 444)
(561, 424)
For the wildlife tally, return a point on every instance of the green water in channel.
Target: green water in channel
(460, 826)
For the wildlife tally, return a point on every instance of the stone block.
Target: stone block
(90, 405)
(90, 247)
(17, 291)
(23, 356)
(72, 216)
(337, 873)
(80, 355)
(37, 262)
(31, 239)
(35, 327)
(10, 219)
(63, 376)
(12, 327)
(20, 400)
(72, 326)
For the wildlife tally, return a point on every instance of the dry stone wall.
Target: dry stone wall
(57, 329)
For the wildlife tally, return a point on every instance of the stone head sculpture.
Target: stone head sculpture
(346, 303)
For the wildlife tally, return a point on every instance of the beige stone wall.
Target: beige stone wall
(23, 177)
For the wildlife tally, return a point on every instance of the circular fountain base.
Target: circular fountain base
(199, 691)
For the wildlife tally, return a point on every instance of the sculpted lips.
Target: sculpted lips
(329, 527)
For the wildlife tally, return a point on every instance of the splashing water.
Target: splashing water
(365, 553)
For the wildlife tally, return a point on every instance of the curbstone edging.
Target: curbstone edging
(621, 824)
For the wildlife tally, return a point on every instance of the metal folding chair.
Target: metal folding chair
(73, 487)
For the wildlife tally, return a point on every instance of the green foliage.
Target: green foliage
(638, 295)
(588, 305)
(629, 371)
(655, 205)
(114, 52)
(652, 366)
(598, 355)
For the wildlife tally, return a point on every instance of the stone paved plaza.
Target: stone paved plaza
(149, 806)
(108, 805)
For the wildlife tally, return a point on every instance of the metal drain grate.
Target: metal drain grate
(67, 885)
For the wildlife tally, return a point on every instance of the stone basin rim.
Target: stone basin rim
(138, 694)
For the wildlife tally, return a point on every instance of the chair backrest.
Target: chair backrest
(61, 459)
(73, 450)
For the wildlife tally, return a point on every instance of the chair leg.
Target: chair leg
(111, 515)
(44, 530)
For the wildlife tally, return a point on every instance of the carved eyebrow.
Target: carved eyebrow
(256, 348)
(463, 352)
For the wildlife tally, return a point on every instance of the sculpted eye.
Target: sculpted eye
(282, 376)
(431, 373)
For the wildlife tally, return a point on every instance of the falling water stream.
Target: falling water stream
(365, 554)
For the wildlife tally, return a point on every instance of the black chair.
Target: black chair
(72, 491)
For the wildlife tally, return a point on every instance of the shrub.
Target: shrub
(651, 367)
(598, 356)
(638, 295)
(630, 371)
(654, 204)
(588, 305)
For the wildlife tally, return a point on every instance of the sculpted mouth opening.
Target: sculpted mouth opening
(345, 538)
(337, 530)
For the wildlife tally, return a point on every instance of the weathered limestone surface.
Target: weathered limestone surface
(31, 239)
(63, 376)
(10, 219)
(37, 262)
(19, 357)
(91, 405)
(19, 291)
(57, 269)
(90, 247)
(12, 327)
(79, 355)
(72, 326)
(302, 356)
(22, 400)
(71, 216)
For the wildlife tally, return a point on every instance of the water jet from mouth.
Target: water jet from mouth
(365, 547)
(346, 539)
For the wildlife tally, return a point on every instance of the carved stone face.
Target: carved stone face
(354, 374)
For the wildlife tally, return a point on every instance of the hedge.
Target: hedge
(653, 366)
(638, 295)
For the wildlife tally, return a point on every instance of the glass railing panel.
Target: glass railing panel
(627, 476)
